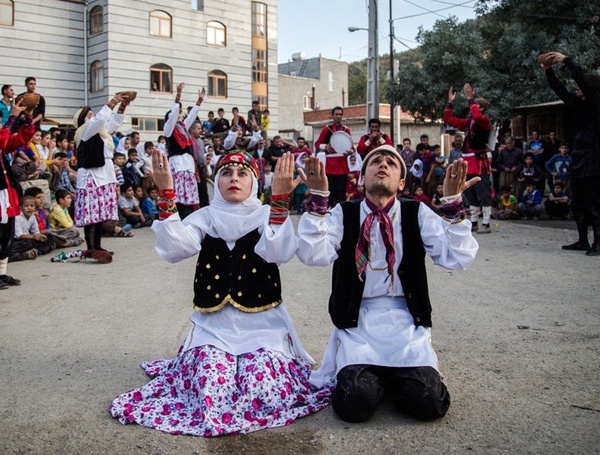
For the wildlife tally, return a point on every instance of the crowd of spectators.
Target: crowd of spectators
(529, 179)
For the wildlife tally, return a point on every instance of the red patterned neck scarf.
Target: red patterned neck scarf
(364, 238)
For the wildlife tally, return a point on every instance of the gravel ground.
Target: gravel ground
(517, 335)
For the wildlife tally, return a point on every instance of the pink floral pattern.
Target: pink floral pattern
(94, 204)
(186, 187)
(208, 392)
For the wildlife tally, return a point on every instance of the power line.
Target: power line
(431, 11)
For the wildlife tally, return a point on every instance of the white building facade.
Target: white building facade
(83, 52)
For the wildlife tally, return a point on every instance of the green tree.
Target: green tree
(497, 54)
(451, 55)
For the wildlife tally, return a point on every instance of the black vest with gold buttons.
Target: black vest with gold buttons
(239, 276)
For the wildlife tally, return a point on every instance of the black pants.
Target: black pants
(7, 234)
(480, 194)
(417, 391)
(337, 188)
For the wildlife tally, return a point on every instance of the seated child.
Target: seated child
(528, 172)
(420, 196)
(557, 204)
(119, 161)
(131, 172)
(531, 202)
(436, 203)
(149, 208)
(130, 207)
(28, 241)
(64, 182)
(61, 238)
(507, 205)
(354, 167)
(61, 220)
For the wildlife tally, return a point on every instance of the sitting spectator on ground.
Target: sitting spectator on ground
(420, 196)
(62, 238)
(149, 206)
(436, 203)
(119, 162)
(61, 220)
(557, 204)
(131, 173)
(507, 205)
(437, 170)
(530, 206)
(528, 172)
(130, 207)
(62, 169)
(28, 241)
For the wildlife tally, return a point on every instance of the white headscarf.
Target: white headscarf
(121, 147)
(232, 220)
(357, 166)
(299, 162)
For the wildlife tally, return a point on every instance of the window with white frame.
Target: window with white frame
(217, 84)
(96, 76)
(161, 77)
(215, 34)
(7, 12)
(330, 81)
(160, 24)
(148, 123)
(96, 24)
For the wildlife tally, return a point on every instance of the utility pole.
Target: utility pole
(373, 65)
(392, 107)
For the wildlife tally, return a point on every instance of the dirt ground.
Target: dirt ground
(517, 335)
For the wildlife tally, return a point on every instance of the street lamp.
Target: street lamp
(372, 63)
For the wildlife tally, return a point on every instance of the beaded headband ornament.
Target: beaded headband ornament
(238, 158)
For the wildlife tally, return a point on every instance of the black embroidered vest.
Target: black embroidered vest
(347, 289)
(239, 276)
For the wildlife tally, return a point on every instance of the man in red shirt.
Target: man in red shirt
(336, 166)
(373, 139)
(475, 153)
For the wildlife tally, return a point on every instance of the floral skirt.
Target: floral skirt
(206, 391)
(95, 204)
(186, 187)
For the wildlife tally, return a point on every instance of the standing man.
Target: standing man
(301, 148)
(456, 151)
(475, 153)
(39, 112)
(379, 304)
(537, 146)
(584, 107)
(373, 139)
(337, 162)
(6, 102)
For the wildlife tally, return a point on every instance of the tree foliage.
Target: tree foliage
(496, 53)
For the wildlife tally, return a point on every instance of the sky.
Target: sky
(320, 27)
